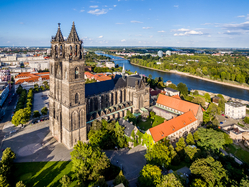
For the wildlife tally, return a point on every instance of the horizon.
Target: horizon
(131, 23)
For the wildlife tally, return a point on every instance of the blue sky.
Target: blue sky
(177, 23)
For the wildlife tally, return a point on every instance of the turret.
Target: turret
(73, 45)
(58, 49)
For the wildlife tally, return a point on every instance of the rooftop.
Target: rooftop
(171, 89)
(235, 104)
(177, 104)
(168, 127)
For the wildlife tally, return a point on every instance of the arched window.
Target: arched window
(65, 75)
(60, 50)
(56, 51)
(76, 73)
(76, 98)
(70, 48)
(76, 50)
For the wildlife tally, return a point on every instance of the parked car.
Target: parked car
(222, 114)
(221, 122)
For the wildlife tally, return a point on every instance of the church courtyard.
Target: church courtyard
(41, 99)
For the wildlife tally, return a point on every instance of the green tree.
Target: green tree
(222, 104)
(223, 75)
(169, 180)
(42, 88)
(149, 176)
(173, 86)
(175, 159)
(159, 155)
(211, 171)
(121, 179)
(36, 114)
(198, 183)
(244, 183)
(182, 88)
(210, 139)
(44, 110)
(206, 117)
(213, 109)
(20, 184)
(88, 161)
(191, 153)
(21, 116)
(196, 92)
(199, 100)
(195, 135)
(65, 181)
(3, 181)
(190, 139)
(246, 120)
(8, 156)
(19, 90)
(180, 145)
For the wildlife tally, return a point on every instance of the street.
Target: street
(8, 108)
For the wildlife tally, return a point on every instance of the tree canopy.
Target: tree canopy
(149, 176)
(88, 161)
(169, 180)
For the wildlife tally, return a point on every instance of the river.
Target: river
(192, 83)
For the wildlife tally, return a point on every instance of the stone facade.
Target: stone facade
(74, 105)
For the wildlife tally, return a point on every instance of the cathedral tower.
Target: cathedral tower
(67, 89)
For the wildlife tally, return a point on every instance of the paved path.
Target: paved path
(35, 143)
(130, 160)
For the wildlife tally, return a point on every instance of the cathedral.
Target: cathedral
(74, 105)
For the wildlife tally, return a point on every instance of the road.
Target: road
(8, 108)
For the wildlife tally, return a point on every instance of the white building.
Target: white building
(235, 110)
(168, 53)
(160, 54)
(110, 64)
(171, 92)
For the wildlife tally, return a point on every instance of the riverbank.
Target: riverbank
(195, 76)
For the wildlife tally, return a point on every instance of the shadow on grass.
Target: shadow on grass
(42, 173)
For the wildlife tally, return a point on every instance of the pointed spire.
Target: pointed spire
(73, 36)
(59, 36)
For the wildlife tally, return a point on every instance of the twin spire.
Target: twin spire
(73, 36)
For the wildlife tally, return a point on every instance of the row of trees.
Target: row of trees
(223, 68)
(22, 115)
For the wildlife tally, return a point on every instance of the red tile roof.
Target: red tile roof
(177, 104)
(176, 96)
(31, 77)
(168, 127)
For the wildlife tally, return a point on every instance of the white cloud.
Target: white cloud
(110, 8)
(191, 32)
(21, 23)
(241, 16)
(114, 5)
(82, 10)
(94, 6)
(183, 30)
(160, 31)
(136, 22)
(239, 26)
(151, 36)
(119, 23)
(100, 37)
(147, 27)
(123, 40)
(150, 9)
(176, 6)
(98, 12)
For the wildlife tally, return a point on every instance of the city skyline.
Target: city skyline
(128, 22)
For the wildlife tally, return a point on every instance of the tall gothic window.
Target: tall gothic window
(56, 51)
(76, 73)
(76, 98)
(70, 48)
(76, 50)
(60, 50)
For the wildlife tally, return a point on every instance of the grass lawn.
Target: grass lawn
(145, 125)
(239, 152)
(43, 173)
(157, 120)
(150, 122)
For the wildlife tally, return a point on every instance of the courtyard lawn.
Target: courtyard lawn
(43, 173)
(150, 122)
(145, 125)
(239, 152)
(157, 120)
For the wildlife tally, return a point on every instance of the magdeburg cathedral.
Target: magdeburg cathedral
(74, 105)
